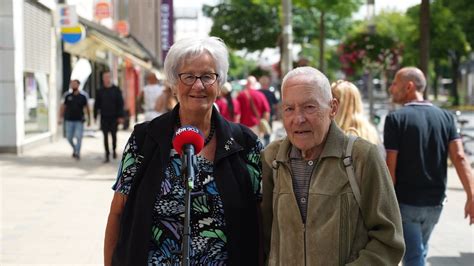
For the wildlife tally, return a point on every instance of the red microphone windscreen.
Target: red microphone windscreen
(188, 135)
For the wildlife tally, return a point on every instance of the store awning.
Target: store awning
(100, 39)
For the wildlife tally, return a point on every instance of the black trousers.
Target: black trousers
(109, 125)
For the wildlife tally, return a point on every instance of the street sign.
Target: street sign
(73, 34)
(67, 15)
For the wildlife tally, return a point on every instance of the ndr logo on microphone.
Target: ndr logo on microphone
(187, 129)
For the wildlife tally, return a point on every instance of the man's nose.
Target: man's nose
(300, 117)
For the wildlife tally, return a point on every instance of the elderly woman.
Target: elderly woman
(145, 224)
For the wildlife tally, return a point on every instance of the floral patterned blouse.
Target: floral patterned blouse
(208, 236)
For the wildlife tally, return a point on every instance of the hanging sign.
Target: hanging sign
(73, 34)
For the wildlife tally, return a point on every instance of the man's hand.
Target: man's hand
(120, 120)
(469, 210)
(60, 121)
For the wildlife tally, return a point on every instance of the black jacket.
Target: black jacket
(109, 103)
(233, 182)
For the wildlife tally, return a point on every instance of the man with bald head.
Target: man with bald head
(418, 138)
(312, 214)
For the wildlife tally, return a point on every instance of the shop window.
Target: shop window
(36, 93)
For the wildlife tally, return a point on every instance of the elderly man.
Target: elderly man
(312, 213)
(418, 172)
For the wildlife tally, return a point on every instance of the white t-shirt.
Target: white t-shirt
(151, 92)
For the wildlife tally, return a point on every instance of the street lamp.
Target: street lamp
(371, 31)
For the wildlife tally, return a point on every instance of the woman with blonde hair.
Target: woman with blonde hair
(350, 116)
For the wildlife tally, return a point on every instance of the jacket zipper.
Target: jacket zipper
(304, 237)
(307, 206)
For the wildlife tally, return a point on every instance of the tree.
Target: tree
(243, 24)
(448, 41)
(314, 14)
(321, 9)
(464, 16)
(425, 39)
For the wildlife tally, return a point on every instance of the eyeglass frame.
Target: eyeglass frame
(198, 77)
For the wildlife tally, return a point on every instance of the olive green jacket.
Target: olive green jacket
(336, 232)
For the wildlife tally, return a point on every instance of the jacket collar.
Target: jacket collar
(162, 131)
(334, 146)
(226, 142)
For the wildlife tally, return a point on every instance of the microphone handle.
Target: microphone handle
(189, 163)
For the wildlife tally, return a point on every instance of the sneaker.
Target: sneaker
(114, 155)
(106, 160)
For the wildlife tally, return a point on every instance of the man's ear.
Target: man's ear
(411, 86)
(334, 107)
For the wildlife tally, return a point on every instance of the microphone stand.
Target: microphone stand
(189, 163)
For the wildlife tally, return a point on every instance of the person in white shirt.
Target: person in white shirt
(149, 95)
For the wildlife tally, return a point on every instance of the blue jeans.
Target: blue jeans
(74, 129)
(418, 223)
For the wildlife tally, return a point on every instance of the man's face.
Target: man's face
(398, 89)
(107, 79)
(306, 116)
(74, 85)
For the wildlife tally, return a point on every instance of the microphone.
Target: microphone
(188, 141)
(188, 136)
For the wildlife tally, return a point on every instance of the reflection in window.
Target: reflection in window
(36, 93)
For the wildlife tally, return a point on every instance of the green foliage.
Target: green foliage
(445, 33)
(245, 25)
(464, 16)
(364, 50)
(239, 67)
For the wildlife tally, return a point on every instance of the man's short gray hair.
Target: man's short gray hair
(315, 78)
(414, 75)
(192, 47)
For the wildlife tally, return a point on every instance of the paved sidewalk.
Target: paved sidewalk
(54, 209)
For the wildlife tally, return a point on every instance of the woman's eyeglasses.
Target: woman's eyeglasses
(190, 79)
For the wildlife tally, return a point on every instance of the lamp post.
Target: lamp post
(371, 31)
(286, 61)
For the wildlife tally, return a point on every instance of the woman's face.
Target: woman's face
(197, 97)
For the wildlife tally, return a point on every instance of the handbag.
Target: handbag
(263, 125)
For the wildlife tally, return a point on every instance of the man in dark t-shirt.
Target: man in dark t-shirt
(418, 139)
(109, 104)
(72, 112)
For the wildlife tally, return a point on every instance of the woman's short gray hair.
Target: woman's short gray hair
(315, 78)
(195, 46)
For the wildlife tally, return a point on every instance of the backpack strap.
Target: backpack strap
(347, 161)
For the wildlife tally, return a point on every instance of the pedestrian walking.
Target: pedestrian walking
(228, 106)
(149, 96)
(269, 92)
(327, 196)
(72, 112)
(418, 139)
(253, 107)
(109, 105)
